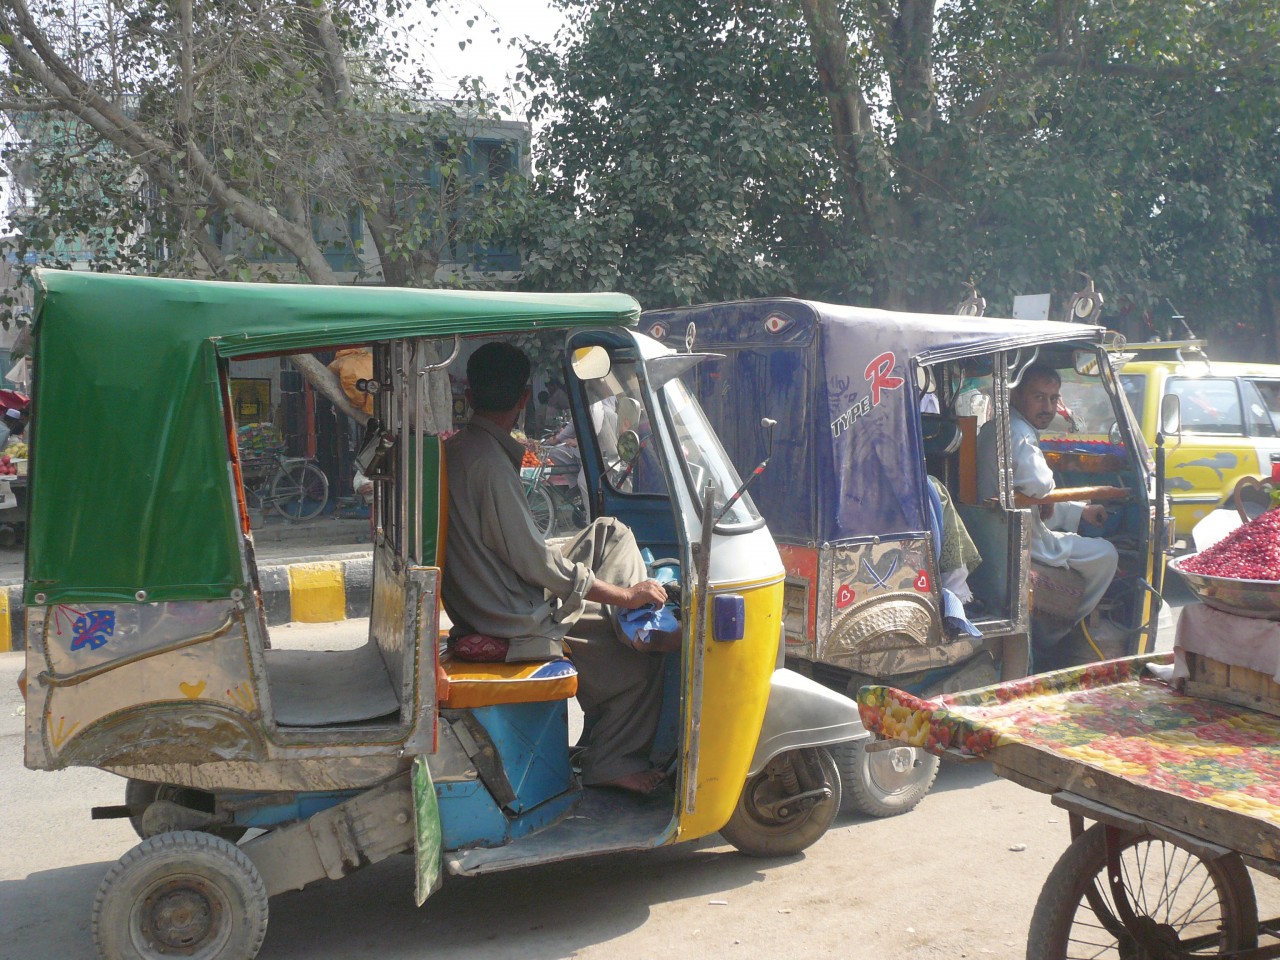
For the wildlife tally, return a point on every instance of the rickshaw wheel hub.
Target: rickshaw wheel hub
(180, 915)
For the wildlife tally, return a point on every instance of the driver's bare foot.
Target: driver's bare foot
(642, 782)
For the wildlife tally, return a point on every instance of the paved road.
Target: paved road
(958, 877)
(919, 886)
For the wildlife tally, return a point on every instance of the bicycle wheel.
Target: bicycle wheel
(300, 491)
(540, 504)
(1204, 907)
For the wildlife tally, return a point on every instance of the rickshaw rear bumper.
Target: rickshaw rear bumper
(803, 713)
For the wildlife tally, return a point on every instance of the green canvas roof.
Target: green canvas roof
(130, 486)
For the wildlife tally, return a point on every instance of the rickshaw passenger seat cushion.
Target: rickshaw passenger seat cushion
(477, 648)
(1056, 592)
(490, 684)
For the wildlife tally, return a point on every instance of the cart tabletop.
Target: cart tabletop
(1115, 735)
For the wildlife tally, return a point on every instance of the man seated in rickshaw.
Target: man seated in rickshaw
(503, 581)
(1054, 540)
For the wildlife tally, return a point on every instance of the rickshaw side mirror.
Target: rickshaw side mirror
(1171, 415)
(590, 363)
(628, 446)
(629, 413)
(1085, 363)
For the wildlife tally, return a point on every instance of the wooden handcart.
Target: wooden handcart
(1183, 793)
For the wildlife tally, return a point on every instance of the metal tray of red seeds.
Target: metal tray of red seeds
(1244, 598)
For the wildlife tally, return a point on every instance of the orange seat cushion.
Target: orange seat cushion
(489, 684)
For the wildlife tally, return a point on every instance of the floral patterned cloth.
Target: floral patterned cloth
(1106, 717)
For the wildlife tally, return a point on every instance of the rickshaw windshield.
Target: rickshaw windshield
(704, 460)
(1089, 412)
(623, 433)
(1086, 409)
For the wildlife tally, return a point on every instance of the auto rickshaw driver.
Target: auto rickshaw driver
(1036, 400)
(511, 596)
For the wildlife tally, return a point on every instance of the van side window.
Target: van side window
(1269, 390)
(1256, 414)
(1135, 390)
(1209, 405)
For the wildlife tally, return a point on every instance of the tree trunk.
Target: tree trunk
(862, 160)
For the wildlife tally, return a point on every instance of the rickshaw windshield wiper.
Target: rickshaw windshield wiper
(768, 425)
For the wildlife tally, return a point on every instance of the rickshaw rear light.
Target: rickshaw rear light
(22, 684)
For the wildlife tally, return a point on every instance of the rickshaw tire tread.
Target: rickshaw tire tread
(863, 798)
(1085, 859)
(243, 874)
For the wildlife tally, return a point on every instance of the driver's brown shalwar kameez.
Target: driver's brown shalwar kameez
(503, 580)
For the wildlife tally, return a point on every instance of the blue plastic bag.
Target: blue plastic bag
(639, 624)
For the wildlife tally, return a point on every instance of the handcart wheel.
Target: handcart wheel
(786, 806)
(1202, 907)
(184, 894)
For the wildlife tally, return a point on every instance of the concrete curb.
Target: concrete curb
(307, 591)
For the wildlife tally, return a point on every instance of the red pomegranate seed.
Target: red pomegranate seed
(1250, 552)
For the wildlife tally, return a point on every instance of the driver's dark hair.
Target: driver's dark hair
(1039, 371)
(497, 374)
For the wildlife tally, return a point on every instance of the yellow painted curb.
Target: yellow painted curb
(6, 629)
(317, 593)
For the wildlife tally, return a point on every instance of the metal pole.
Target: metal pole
(419, 436)
(402, 474)
(702, 566)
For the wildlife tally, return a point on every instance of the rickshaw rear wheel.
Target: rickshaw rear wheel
(1206, 907)
(787, 806)
(184, 894)
(143, 793)
(884, 783)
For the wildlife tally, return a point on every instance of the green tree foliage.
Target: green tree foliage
(886, 152)
(211, 137)
(678, 156)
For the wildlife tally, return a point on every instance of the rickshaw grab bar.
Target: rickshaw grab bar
(702, 567)
(1066, 494)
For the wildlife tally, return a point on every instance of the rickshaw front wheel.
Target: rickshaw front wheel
(181, 894)
(884, 783)
(787, 806)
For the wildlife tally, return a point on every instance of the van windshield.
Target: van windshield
(704, 460)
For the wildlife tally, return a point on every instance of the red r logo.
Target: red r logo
(877, 374)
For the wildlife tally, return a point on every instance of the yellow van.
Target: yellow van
(1230, 421)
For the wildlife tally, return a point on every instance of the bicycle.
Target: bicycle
(293, 486)
(551, 506)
